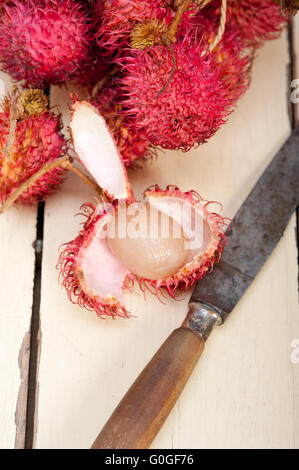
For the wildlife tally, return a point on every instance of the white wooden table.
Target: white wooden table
(245, 390)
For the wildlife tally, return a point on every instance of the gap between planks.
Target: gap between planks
(35, 335)
(25, 414)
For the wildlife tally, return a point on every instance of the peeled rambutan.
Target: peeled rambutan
(44, 41)
(119, 17)
(132, 146)
(178, 105)
(164, 243)
(29, 137)
(255, 21)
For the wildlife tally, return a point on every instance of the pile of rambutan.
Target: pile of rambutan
(157, 73)
(181, 65)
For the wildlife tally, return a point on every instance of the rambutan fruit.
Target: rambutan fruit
(166, 242)
(255, 21)
(44, 41)
(133, 147)
(119, 17)
(29, 137)
(179, 97)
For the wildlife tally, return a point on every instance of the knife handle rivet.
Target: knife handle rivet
(202, 319)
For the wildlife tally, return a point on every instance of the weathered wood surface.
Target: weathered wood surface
(17, 234)
(245, 383)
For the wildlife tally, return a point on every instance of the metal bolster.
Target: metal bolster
(202, 319)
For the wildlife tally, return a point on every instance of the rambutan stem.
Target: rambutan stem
(65, 163)
(172, 72)
(202, 3)
(10, 138)
(170, 36)
(15, 113)
(85, 179)
(288, 7)
(221, 28)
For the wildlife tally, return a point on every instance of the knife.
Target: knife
(256, 229)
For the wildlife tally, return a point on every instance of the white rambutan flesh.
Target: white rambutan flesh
(142, 248)
(96, 149)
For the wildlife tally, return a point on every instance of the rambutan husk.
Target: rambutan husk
(75, 263)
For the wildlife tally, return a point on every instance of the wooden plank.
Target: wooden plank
(17, 234)
(244, 384)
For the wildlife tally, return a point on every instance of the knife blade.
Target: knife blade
(257, 227)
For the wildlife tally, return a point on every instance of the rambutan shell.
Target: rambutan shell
(79, 258)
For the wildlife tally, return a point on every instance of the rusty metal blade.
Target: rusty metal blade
(257, 227)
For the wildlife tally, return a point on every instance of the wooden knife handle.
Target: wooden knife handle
(142, 411)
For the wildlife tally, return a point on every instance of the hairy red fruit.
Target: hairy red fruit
(44, 41)
(255, 21)
(37, 140)
(197, 99)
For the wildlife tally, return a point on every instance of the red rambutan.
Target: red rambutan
(119, 17)
(255, 21)
(176, 107)
(167, 242)
(27, 141)
(44, 41)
